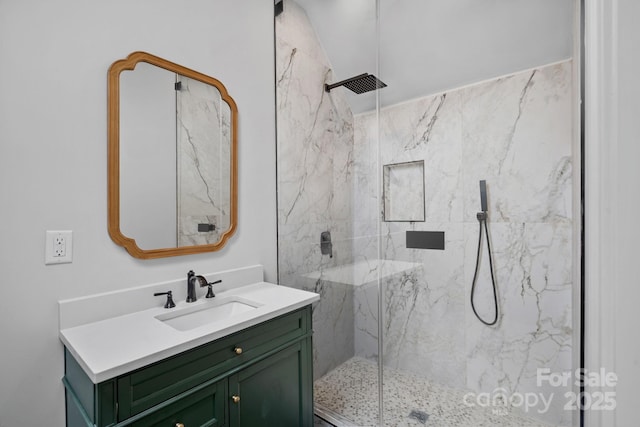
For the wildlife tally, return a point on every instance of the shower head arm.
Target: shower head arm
(328, 87)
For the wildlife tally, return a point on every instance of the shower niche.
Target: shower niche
(403, 192)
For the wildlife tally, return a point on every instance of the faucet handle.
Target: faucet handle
(210, 293)
(169, 303)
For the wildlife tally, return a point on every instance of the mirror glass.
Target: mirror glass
(174, 133)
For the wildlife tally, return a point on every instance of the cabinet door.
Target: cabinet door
(275, 392)
(204, 408)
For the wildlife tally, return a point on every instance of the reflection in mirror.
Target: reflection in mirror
(203, 141)
(148, 156)
(172, 154)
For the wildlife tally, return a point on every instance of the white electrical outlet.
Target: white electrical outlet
(58, 247)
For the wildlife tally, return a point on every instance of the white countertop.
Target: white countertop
(114, 346)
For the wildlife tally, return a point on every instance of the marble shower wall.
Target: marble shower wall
(514, 132)
(315, 182)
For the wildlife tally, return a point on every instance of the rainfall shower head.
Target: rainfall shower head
(359, 84)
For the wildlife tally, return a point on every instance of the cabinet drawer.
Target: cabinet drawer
(156, 383)
(204, 408)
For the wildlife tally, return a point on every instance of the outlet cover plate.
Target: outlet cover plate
(58, 247)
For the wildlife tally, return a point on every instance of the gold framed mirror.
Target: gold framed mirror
(172, 158)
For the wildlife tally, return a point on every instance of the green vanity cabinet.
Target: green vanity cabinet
(259, 376)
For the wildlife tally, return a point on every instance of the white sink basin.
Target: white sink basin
(209, 312)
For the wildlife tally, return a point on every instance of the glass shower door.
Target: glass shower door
(320, 245)
(511, 127)
(379, 196)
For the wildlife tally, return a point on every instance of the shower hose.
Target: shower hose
(482, 220)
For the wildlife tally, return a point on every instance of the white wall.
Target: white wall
(54, 58)
(627, 295)
(613, 202)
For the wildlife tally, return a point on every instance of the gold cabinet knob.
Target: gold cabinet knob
(237, 350)
(235, 398)
(179, 425)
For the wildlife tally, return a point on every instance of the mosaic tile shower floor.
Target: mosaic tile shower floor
(351, 390)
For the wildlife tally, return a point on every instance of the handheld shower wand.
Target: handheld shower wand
(482, 220)
(483, 196)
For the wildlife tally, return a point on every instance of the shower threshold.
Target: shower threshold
(330, 418)
(348, 397)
